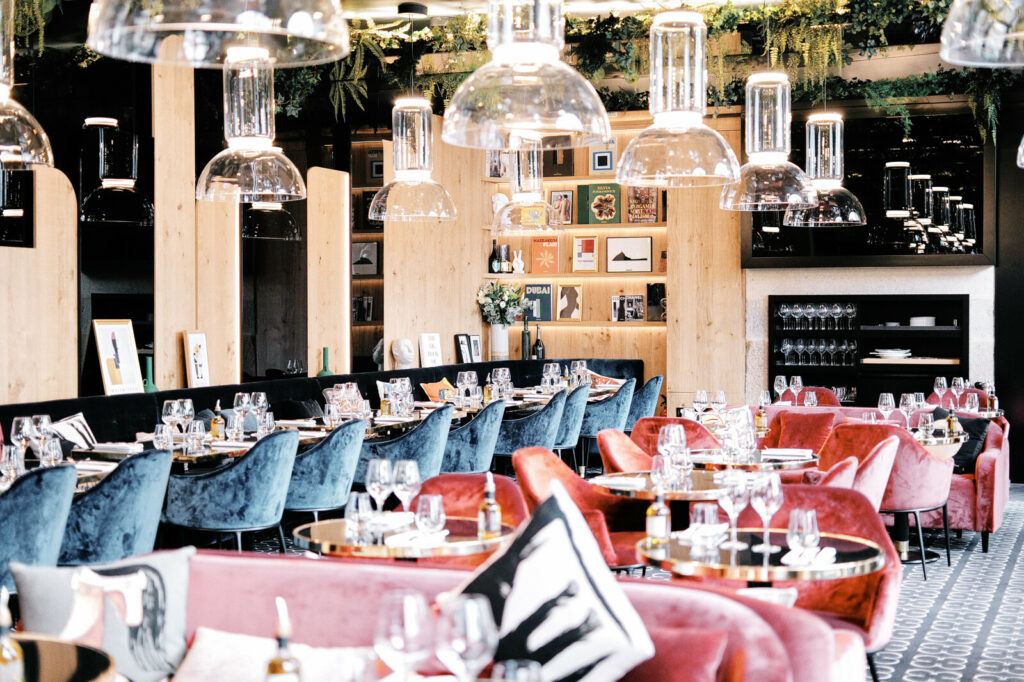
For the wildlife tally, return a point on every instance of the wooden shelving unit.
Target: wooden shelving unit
(367, 177)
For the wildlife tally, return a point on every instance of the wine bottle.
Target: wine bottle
(525, 349)
(504, 262)
(488, 389)
(12, 662)
(494, 262)
(538, 347)
(283, 667)
(217, 424)
(659, 520)
(488, 518)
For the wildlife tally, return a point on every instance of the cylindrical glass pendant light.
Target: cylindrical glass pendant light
(954, 215)
(921, 198)
(23, 142)
(525, 93)
(527, 211)
(836, 206)
(678, 150)
(290, 32)
(970, 230)
(984, 34)
(768, 181)
(251, 169)
(110, 166)
(940, 207)
(413, 194)
(896, 189)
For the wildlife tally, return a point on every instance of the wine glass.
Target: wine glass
(780, 386)
(407, 481)
(163, 437)
(259, 403)
(832, 347)
(42, 428)
(800, 347)
(971, 402)
(787, 352)
(402, 638)
(822, 315)
(379, 480)
(700, 400)
(766, 499)
(822, 349)
(516, 671)
(886, 405)
(22, 432)
(809, 315)
(919, 401)
(784, 314)
(940, 388)
(956, 387)
(851, 313)
(242, 404)
(837, 312)
(186, 413)
(907, 406)
(796, 384)
(460, 384)
(734, 499)
(797, 313)
(430, 516)
(671, 437)
(466, 635)
(718, 402)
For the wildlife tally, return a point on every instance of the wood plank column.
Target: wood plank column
(328, 270)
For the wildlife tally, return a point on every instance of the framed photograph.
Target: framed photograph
(462, 348)
(497, 164)
(537, 302)
(602, 158)
(197, 364)
(118, 356)
(561, 207)
(633, 308)
(584, 253)
(475, 349)
(628, 254)
(376, 170)
(616, 308)
(570, 302)
(557, 163)
(430, 350)
(375, 166)
(366, 258)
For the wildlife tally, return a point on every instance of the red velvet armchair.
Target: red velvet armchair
(617, 522)
(645, 434)
(949, 399)
(800, 428)
(826, 396)
(875, 448)
(620, 454)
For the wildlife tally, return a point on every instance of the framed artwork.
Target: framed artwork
(584, 253)
(119, 358)
(602, 158)
(537, 302)
(570, 302)
(628, 254)
(366, 258)
(462, 348)
(561, 207)
(497, 164)
(430, 350)
(475, 349)
(197, 363)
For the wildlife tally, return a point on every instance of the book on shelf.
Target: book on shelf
(557, 163)
(603, 158)
(628, 308)
(656, 302)
(537, 303)
(599, 203)
(544, 255)
(375, 167)
(367, 223)
(642, 205)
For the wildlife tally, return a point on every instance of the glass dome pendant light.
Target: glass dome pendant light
(768, 181)
(983, 34)
(678, 149)
(837, 206)
(251, 169)
(527, 212)
(23, 142)
(525, 93)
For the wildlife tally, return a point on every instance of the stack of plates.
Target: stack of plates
(891, 353)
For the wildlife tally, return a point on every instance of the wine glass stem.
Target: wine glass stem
(767, 537)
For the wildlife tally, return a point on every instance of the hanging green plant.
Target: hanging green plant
(30, 17)
(348, 77)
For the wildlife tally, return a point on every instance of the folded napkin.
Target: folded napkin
(432, 404)
(781, 596)
(787, 453)
(231, 445)
(312, 434)
(810, 557)
(706, 456)
(686, 536)
(130, 448)
(392, 420)
(389, 522)
(296, 423)
(535, 397)
(416, 538)
(89, 466)
(627, 483)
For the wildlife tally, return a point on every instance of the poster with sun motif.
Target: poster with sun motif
(545, 255)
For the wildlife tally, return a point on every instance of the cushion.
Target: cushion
(599, 380)
(433, 390)
(75, 430)
(133, 609)
(297, 409)
(576, 621)
(221, 656)
(704, 648)
(804, 430)
(976, 428)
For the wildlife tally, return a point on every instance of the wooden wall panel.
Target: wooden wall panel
(328, 270)
(39, 345)
(174, 218)
(218, 264)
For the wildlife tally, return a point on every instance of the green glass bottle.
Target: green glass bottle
(525, 352)
(326, 371)
(148, 385)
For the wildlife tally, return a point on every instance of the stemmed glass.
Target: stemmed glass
(851, 313)
(797, 313)
(22, 433)
(402, 638)
(186, 413)
(42, 431)
(784, 314)
(802, 534)
(822, 348)
(822, 315)
(809, 315)
(461, 383)
(907, 406)
(851, 348)
(766, 499)
(700, 401)
(837, 313)
(171, 416)
(466, 635)
(718, 403)
(796, 384)
(430, 516)
(919, 401)
(787, 352)
(780, 386)
(672, 446)
(242, 405)
(940, 388)
(379, 481)
(832, 348)
(800, 347)
(406, 481)
(886, 405)
(735, 497)
(956, 387)
(259, 403)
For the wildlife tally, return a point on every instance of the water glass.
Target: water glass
(919, 400)
(195, 438)
(163, 437)
(971, 402)
(264, 424)
(12, 465)
(764, 398)
(661, 473)
(704, 522)
(802, 533)
(332, 415)
(50, 454)
(466, 635)
(810, 399)
(516, 671)
(407, 481)
(403, 636)
(234, 425)
(379, 481)
(869, 417)
(430, 517)
(358, 512)
(766, 499)
(476, 396)
(926, 424)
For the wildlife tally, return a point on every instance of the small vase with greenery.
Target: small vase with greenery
(500, 303)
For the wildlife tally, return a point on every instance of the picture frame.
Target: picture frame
(570, 302)
(584, 253)
(602, 158)
(197, 361)
(118, 356)
(430, 350)
(537, 303)
(366, 259)
(628, 254)
(475, 349)
(561, 207)
(462, 348)
(496, 164)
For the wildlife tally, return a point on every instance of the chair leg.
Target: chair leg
(871, 666)
(316, 517)
(920, 543)
(945, 529)
(238, 540)
(984, 541)
(220, 541)
(280, 537)
(959, 533)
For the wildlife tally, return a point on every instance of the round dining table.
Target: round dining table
(762, 460)
(331, 537)
(48, 659)
(940, 444)
(638, 485)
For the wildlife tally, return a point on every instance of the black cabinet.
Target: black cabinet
(831, 341)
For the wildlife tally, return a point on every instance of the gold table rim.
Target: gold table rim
(706, 495)
(464, 547)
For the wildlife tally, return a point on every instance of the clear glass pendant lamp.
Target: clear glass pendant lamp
(768, 181)
(23, 142)
(251, 169)
(824, 160)
(527, 212)
(678, 149)
(981, 33)
(525, 94)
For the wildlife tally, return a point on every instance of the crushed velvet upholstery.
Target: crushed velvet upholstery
(425, 444)
(875, 449)
(799, 429)
(539, 429)
(470, 448)
(826, 396)
(610, 413)
(119, 516)
(33, 513)
(949, 399)
(322, 475)
(572, 419)
(620, 454)
(842, 474)
(919, 479)
(246, 494)
(645, 401)
(645, 434)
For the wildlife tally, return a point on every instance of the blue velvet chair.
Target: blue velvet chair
(246, 495)
(33, 512)
(645, 401)
(540, 429)
(322, 476)
(610, 413)
(572, 421)
(425, 444)
(470, 448)
(119, 516)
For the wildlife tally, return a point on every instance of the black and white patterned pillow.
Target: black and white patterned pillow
(75, 429)
(556, 602)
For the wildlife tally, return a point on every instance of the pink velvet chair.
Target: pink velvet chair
(826, 396)
(800, 428)
(620, 454)
(949, 399)
(875, 449)
(645, 434)
(843, 474)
